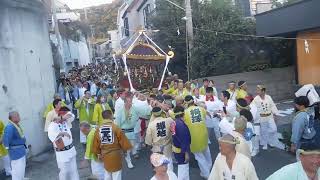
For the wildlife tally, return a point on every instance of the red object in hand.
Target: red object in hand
(209, 98)
(143, 126)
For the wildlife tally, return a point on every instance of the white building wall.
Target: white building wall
(26, 71)
(84, 56)
(114, 39)
(253, 5)
(135, 18)
(120, 23)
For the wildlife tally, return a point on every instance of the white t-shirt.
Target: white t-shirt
(231, 107)
(171, 175)
(226, 126)
(81, 92)
(213, 106)
(142, 107)
(254, 112)
(53, 131)
(201, 98)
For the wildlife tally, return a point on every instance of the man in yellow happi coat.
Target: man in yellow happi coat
(181, 91)
(173, 87)
(86, 107)
(202, 90)
(187, 90)
(242, 92)
(50, 105)
(101, 105)
(232, 91)
(194, 117)
(97, 168)
(4, 152)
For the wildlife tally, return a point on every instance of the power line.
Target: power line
(176, 5)
(254, 36)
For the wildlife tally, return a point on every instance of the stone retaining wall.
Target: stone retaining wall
(280, 82)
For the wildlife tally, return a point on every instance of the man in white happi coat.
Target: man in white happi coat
(60, 135)
(126, 118)
(232, 91)
(119, 102)
(242, 105)
(159, 135)
(268, 128)
(230, 164)
(256, 127)
(240, 124)
(213, 105)
(141, 105)
(227, 105)
(198, 98)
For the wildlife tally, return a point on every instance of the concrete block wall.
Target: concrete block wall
(280, 82)
(26, 67)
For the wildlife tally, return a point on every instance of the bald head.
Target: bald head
(14, 116)
(240, 124)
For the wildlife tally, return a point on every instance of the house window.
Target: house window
(126, 27)
(146, 13)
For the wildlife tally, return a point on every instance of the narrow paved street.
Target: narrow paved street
(44, 167)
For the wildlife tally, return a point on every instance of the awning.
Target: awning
(289, 20)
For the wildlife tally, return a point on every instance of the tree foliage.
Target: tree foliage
(103, 18)
(215, 51)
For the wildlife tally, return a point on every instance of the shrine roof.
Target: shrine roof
(145, 52)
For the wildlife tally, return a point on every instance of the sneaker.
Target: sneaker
(254, 153)
(272, 145)
(203, 176)
(265, 147)
(130, 165)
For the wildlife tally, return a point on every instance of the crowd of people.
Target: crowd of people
(181, 119)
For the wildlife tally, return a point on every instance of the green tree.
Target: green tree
(103, 18)
(168, 19)
(219, 44)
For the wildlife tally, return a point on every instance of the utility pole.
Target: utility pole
(189, 30)
(190, 37)
(92, 47)
(91, 50)
(59, 67)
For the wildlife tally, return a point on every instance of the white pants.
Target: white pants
(204, 162)
(18, 168)
(269, 134)
(112, 175)
(183, 172)
(68, 170)
(83, 138)
(6, 164)
(256, 139)
(170, 165)
(133, 151)
(97, 169)
(214, 126)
